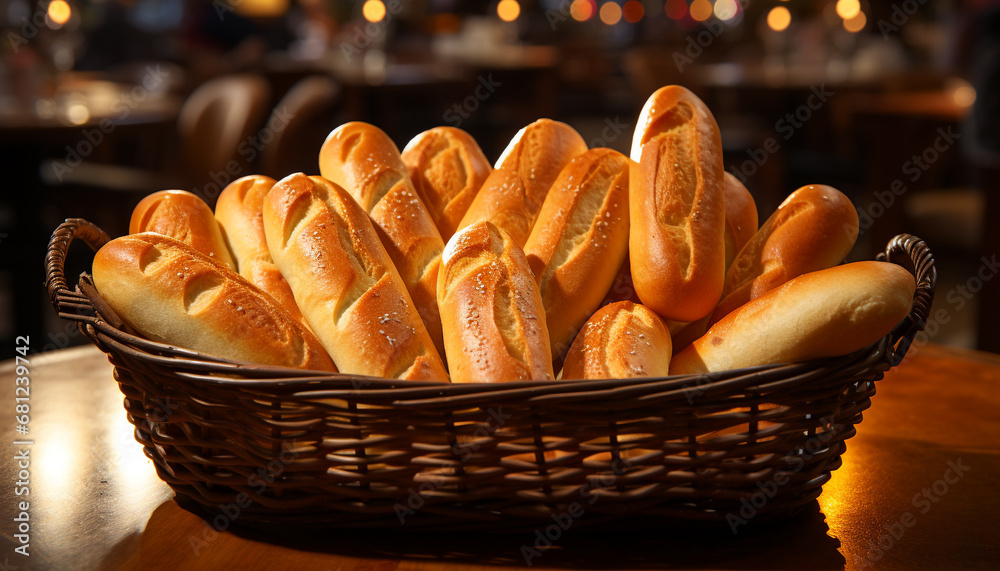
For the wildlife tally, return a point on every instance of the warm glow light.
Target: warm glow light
(701, 10)
(582, 10)
(508, 10)
(848, 9)
(59, 12)
(675, 9)
(611, 13)
(260, 8)
(633, 11)
(373, 10)
(77, 113)
(857, 23)
(779, 18)
(962, 92)
(726, 9)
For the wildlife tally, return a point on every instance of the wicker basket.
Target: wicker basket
(298, 447)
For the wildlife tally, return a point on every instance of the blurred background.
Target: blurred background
(897, 104)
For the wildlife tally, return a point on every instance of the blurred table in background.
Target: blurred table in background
(916, 490)
(82, 119)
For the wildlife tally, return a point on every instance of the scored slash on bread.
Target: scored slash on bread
(491, 311)
(513, 194)
(622, 340)
(345, 283)
(170, 292)
(447, 169)
(580, 241)
(677, 206)
(240, 212)
(365, 162)
(183, 216)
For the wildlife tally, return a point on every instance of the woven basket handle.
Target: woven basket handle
(913, 254)
(67, 302)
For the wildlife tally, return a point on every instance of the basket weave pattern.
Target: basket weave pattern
(298, 447)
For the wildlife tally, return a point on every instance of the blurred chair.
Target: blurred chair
(216, 124)
(299, 123)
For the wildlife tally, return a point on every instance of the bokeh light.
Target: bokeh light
(726, 10)
(582, 10)
(779, 18)
(59, 12)
(675, 9)
(848, 9)
(857, 23)
(701, 10)
(373, 10)
(633, 11)
(508, 10)
(611, 13)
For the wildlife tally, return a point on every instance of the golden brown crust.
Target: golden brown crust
(677, 207)
(185, 217)
(621, 340)
(814, 228)
(826, 313)
(344, 282)
(240, 212)
(170, 292)
(363, 160)
(741, 217)
(491, 311)
(514, 192)
(447, 169)
(580, 241)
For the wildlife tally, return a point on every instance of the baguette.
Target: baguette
(447, 169)
(814, 228)
(580, 241)
(514, 192)
(491, 311)
(170, 292)
(826, 313)
(183, 216)
(364, 161)
(622, 340)
(677, 207)
(741, 217)
(240, 212)
(345, 283)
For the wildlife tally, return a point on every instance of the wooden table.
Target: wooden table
(920, 478)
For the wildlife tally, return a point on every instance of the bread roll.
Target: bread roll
(491, 311)
(814, 228)
(364, 161)
(185, 217)
(513, 194)
(677, 207)
(580, 241)
(825, 313)
(620, 341)
(240, 212)
(447, 169)
(344, 282)
(741, 216)
(170, 292)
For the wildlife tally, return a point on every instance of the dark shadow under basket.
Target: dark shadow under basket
(296, 447)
